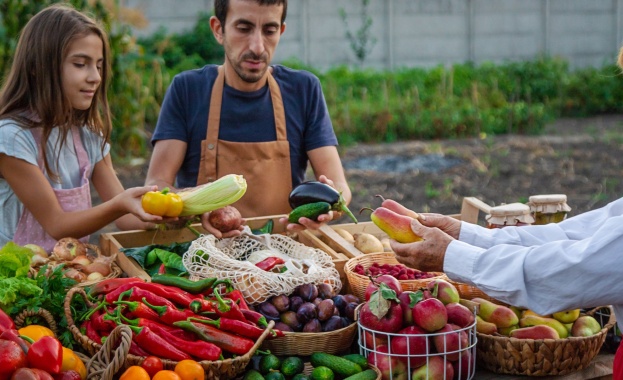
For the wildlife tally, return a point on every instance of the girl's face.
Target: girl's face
(82, 67)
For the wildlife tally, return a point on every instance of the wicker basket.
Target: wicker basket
(359, 283)
(218, 370)
(112, 356)
(40, 313)
(305, 344)
(542, 357)
(469, 292)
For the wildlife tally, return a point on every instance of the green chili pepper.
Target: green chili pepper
(184, 283)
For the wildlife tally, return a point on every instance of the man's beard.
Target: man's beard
(249, 76)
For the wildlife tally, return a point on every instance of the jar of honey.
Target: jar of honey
(548, 208)
(512, 214)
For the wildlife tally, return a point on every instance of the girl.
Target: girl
(54, 131)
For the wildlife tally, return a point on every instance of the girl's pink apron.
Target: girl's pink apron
(28, 229)
(617, 367)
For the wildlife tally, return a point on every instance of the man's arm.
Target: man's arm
(166, 161)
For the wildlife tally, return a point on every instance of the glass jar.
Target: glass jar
(512, 214)
(548, 208)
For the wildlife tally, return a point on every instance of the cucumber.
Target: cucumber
(368, 374)
(340, 366)
(356, 358)
(310, 210)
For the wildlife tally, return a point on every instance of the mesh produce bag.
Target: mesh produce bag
(209, 257)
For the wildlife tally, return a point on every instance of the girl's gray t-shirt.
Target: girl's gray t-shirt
(19, 142)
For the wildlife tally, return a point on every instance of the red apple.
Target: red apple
(408, 299)
(390, 367)
(411, 347)
(446, 292)
(459, 315)
(465, 367)
(387, 279)
(435, 369)
(430, 314)
(68, 375)
(372, 339)
(13, 358)
(451, 342)
(390, 322)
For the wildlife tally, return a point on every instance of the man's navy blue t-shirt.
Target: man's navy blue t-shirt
(245, 117)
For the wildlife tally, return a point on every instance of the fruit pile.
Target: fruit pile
(310, 308)
(423, 334)
(398, 271)
(152, 368)
(520, 323)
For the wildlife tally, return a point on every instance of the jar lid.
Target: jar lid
(549, 203)
(510, 214)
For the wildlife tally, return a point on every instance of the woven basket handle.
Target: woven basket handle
(111, 357)
(42, 313)
(67, 305)
(612, 320)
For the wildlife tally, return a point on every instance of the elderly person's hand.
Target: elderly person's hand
(445, 223)
(426, 255)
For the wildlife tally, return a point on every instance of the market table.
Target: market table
(600, 368)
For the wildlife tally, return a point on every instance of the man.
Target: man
(247, 117)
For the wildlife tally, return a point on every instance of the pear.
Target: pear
(507, 330)
(535, 320)
(567, 316)
(517, 311)
(535, 332)
(527, 312)
(396, 226)
(485, 327)
(585, 326)
(501, 316)
(399, 209)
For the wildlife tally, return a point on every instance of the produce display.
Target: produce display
(423, 334)
(399, 271)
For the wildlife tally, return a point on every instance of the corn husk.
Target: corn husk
(214, 195)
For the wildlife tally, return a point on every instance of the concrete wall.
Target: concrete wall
(427, 33)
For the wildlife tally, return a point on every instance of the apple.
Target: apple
(430, 314)
(459, 315)
(68, 375)
(387, 279)
(411, 347)
(435, 369)
(391, 368)
(372, 339)
(446, 292)
(464, 367)
(390, 322)
(408, 299)
(451, 342)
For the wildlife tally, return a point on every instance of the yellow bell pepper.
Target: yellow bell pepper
(35, 332)
(71, 361)
(162, 203)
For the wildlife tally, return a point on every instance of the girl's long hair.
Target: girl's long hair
(32, 94)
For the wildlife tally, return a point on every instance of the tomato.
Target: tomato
(152, 364)
(166, 375)
(190, 370)
(135, 373)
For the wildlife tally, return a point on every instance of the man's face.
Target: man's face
(252, 32)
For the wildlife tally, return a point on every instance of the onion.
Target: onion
(75, 275)
(98, 267)
(95, 276)
(37, 250)
(81, 261)
(68, 248)
(37, 260)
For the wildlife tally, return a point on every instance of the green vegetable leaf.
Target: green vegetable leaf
(13, 289)
(140, 254)
(14, 260)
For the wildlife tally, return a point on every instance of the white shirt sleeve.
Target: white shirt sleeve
(572, 264)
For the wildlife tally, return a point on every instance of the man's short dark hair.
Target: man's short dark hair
(222, 6)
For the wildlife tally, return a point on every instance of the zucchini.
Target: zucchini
(310, 210)
(368, 374)
(340, 366)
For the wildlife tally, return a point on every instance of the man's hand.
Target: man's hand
(306, 223)
(205, 223)
(426, 255)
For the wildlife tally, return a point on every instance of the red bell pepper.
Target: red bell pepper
(6, 323)
(228, 342)
(269, 263)
(156, 345)
(13, 335)
(46, 354)
(11, 358)
(108, 285)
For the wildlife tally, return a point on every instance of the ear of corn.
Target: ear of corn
(214, 195)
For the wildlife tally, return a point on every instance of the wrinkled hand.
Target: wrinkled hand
(426, 255)
(445, 223)
(205, 223)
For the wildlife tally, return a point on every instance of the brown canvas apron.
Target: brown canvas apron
(264, 165)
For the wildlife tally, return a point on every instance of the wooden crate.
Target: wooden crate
(111, 243)
(471, 211)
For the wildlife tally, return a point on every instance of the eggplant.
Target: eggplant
(315, 191)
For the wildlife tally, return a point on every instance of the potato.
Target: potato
(225, 219)
(367, 243)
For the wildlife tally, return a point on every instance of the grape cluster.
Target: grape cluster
(398, 271)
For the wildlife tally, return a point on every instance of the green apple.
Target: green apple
(568, 316)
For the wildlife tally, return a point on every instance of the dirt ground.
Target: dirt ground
(582, 158)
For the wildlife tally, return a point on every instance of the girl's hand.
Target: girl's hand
(131, 202)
